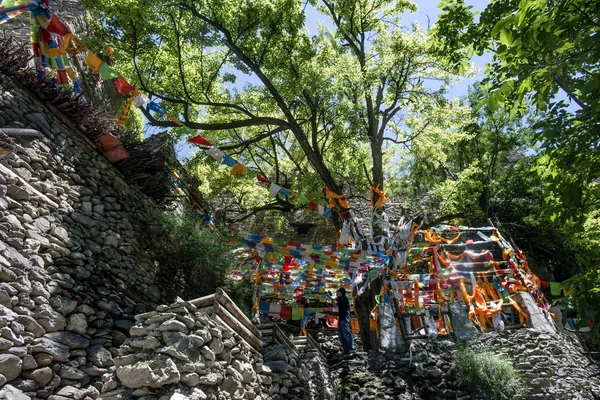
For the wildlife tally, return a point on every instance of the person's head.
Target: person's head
(341, 292)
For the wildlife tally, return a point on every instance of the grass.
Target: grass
(487, 374)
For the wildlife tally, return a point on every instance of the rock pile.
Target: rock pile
(178, 353)
(290, 374)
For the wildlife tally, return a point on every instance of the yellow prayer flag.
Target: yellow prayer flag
(93, 61)
(239, 169)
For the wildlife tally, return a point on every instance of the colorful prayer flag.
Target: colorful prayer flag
(198, 140)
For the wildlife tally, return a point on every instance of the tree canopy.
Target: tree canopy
(297, 106)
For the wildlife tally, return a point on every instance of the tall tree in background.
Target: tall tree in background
(541, 47)
(287, 102)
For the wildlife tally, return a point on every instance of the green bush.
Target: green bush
(192, 259)
(488, 374)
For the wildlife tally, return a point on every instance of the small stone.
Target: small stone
(173, 325)
(77, 323)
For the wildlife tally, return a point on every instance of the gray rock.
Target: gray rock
(155, 373)
(69, 372)
(185, 349)
(77, 323)
(9, 392)
(10, 366)
(99, 356)
(49, 319)
(173, 325)
(233, 388)
(59, 352)
(70, 339)
(210, 379)
(42, 376)
(123, 325)
(190, 379)
(31, 325)
(16, 193)
(6, 275)
(278, 367)
(71, 392)
(463, 327)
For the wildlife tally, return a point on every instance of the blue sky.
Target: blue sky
(427, 14)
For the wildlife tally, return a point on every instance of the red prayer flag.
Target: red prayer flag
(286, 312)
(123, 87)
(330, 320)
(199, 140)
(263, 179)
(56, 26)
(312, 205)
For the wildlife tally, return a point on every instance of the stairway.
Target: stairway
(305, 346)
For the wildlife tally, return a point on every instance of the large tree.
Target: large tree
(288, 102)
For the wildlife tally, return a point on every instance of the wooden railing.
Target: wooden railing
(224, 311)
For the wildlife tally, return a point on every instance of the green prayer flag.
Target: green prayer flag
(302, 199)
(106, 72)
(555, 288)
(295, 313)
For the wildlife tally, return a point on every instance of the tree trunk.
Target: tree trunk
(363, 306)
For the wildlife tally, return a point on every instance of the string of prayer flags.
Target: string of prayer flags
(125, 111)
(140, 100)
(12, 8)
(239, 169)
(378, 194)
(216, 153)
(336, 199)
(93, 62)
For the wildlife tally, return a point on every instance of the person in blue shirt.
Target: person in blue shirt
(344, 332)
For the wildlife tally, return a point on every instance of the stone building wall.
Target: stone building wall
(73, 266)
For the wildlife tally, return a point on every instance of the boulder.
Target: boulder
(155, 373)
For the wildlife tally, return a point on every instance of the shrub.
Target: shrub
(488, 374)
(192, 259)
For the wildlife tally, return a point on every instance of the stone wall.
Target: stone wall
(73, 266)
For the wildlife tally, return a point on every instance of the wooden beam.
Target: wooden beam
(223, 299)
(205, 301)
(236, 326)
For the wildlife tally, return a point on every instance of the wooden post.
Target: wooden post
(224, 300)
(237, 327)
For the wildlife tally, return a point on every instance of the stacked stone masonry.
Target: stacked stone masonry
(73, 270)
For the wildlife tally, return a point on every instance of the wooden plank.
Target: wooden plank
(223, 299)
(283, 339)
(204, 301)
(238, 327)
